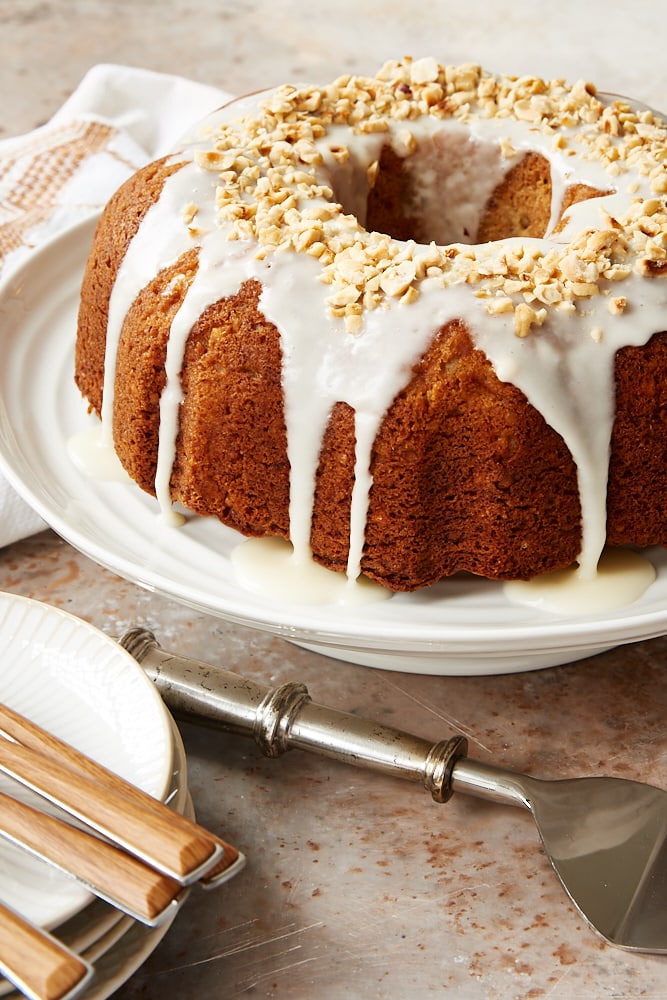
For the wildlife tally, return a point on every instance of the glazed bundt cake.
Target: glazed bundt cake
(414, 323)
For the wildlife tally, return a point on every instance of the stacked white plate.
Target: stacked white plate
(80, 685)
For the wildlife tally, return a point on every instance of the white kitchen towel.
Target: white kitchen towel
(117, 119)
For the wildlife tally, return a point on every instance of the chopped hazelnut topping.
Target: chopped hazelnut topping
(189, 212)
(497, 306)
(396, 279)
(525, 317)
(617, 305)
(274, 188)
(652, 268)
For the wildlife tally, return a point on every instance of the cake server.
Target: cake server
(606, 837)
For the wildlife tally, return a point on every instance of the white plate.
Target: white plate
(460, 626)
(80, 685)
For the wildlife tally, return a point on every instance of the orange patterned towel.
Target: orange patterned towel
(118, 119)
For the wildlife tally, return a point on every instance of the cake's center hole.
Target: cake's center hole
(454, 198)
(451, 188)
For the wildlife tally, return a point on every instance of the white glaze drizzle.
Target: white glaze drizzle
(323, 365)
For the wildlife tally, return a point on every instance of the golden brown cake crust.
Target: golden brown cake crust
(140, 371)
(466, 476)
(232, 447)
(118, 223)
(637, 489)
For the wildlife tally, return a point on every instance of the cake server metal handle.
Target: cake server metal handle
(606, 837)
(285, 718)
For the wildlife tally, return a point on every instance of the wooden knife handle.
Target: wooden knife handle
(156, 839)
(29, 734)
(109, 872)
(36, 963)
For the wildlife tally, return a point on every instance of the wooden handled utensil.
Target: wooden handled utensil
(158, 843)
(606, 837)
(39, 965)
(100, 867)
(143, 826)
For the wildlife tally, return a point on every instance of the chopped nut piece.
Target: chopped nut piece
(506, 148)
(424, 71)
(497, 306)
(397, 278)
(189, 212)
(584, 289)
(525, 317)
(340, 153)
(408, 141)
(409, 295)
(652, 268)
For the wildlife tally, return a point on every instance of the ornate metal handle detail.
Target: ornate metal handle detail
(286, 718)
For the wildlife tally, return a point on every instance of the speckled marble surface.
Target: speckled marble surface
(356, 885)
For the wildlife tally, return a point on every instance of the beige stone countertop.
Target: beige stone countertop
(356, 885)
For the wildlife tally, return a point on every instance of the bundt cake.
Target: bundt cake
(412, 322)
